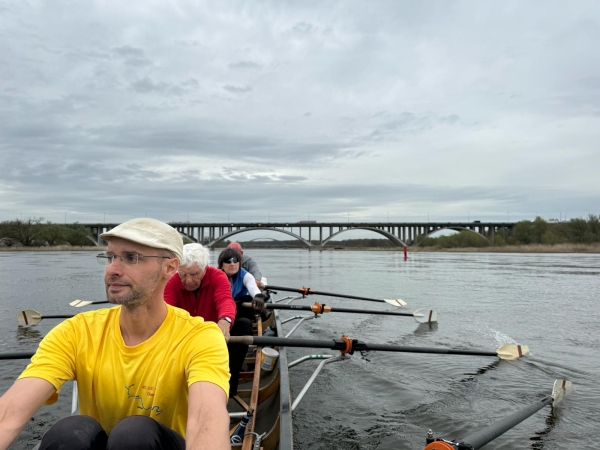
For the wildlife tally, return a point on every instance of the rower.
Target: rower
(248, 264)
(149, 375)
(205, 291)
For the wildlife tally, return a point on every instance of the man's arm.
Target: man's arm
(225, 327)
(19, 404)
(224, 303)
(251, 266)
(208, 421)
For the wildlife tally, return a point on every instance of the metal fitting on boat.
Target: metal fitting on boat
(429, 438)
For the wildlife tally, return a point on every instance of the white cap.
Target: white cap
(150, 232)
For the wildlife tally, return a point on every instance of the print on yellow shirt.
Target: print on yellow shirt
(156, 408)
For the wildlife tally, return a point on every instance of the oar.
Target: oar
(17, 355)
(420, 315)
(480, 438)
(31, 317)
(80, 303)
(308, 291)
(347, 345)
(508, 352)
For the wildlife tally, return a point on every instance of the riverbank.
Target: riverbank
(533, 248)
(58, 248)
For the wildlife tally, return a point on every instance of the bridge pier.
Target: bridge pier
(408, 233)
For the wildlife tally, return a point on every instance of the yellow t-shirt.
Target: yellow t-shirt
(116, 381)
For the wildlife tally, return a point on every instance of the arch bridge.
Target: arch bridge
(315, 235)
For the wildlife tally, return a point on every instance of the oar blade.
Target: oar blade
(28, 318)
(512, 351)
(561, 389)
(395, 301)
(80, 303)
(425, 315)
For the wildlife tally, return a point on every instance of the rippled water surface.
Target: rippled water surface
(389, 400)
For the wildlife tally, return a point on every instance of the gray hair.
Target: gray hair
(195, 254)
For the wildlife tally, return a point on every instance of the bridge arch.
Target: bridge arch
(233, 233)
(459, 229)
(387, 234)
(188, 237)
(264, 239)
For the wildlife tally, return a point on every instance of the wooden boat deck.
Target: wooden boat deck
(269, 394)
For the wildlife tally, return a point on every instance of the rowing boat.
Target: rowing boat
(267, 393)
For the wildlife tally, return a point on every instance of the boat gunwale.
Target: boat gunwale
(286, 439)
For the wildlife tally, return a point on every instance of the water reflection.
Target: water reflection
(426, 328)
(28, 335)
(551, 420)
(481, 371)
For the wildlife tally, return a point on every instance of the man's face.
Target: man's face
(127, 284)
(191, 276)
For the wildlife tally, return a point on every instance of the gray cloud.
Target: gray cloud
(401, 107)
(132, 56)
(245, 65)
(237, 89)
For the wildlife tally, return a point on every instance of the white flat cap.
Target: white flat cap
(150, 232)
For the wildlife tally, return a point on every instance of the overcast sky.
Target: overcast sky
(249, 111)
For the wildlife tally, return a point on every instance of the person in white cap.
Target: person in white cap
(149, 375)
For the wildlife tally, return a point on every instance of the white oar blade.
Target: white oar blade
(28, 317)
(512, 351)
(395, 301)
(561, 389)
(80, 303)
(425, 315)
(75, 398)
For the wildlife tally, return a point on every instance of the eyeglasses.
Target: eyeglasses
(131, 259)
(230, 261)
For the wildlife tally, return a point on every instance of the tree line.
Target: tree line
(538, 231)
(34, 232)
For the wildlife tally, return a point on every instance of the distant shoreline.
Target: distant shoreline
(58, 248)
(533, 248)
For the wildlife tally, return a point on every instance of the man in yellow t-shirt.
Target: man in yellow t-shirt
(149, 375)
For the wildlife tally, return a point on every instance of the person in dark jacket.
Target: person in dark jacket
(249, 264)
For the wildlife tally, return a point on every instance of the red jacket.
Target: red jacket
(212, 301)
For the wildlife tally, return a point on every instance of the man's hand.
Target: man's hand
(225, 326)
(258, 302)
(19, 404)
(260, 285)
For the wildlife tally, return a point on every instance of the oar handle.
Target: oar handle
(60, 316)
(16, 355)
(284, 342)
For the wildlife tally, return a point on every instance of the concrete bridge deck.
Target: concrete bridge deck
(315, 235)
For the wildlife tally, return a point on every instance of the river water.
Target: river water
(389, 400)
